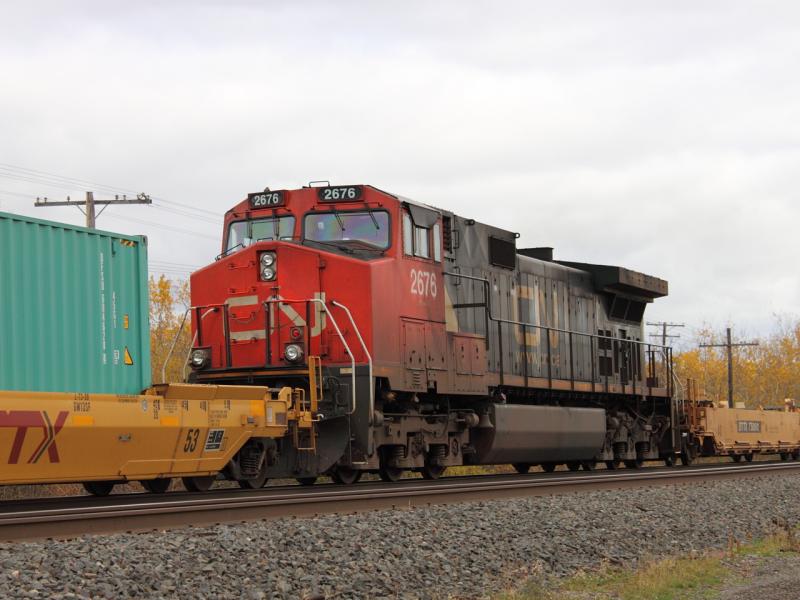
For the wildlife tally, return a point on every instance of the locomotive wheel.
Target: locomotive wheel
(612, 465)
(736, 457)
(549, 467)
(521, 468)
(574, 465)
(749, 457)
(588, 465)
(251, 484)
(98, 488)
(345, 475)
(432, 471)
(307, 480)
(784, 456)
(390, 474)
(634, 464)
(257, 482)
(199, 484)
(156, 486)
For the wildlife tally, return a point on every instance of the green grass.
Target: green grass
(784, 541)
(695, 578)
(663, 580)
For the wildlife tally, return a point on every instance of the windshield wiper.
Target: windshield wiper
(338, 218)
(337, 245)
(374, 220)
(275, 224)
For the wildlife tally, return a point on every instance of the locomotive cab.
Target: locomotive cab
(294, 298)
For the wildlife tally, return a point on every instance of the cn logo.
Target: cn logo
(297, 320)
(22, 420)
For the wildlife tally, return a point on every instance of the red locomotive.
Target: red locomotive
(423, 340)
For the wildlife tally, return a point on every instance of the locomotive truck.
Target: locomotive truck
(429, 340)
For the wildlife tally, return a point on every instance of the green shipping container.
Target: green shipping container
(74, 313)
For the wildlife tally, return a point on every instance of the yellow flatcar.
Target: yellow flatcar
(738, 432)
(188, 431)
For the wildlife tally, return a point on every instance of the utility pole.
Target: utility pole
(90, 203)
(664, 327)
(729, 345)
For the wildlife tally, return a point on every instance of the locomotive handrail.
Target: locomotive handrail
(338, 331)
(177, 336)
(366, 352)
(487, 305)
(172, 346)
(487, 283)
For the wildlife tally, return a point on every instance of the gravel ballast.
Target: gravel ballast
(455, 551)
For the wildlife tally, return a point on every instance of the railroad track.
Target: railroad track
(69, 517)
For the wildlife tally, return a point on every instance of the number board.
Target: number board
(267, 199)
(340, 193)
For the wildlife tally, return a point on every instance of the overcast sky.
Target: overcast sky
(661, 136)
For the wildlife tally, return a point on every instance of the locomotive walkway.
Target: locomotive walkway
(73, 516)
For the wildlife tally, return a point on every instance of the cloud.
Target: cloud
(664, 137)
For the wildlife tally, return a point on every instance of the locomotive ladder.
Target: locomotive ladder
(324, 306)
(305, 407)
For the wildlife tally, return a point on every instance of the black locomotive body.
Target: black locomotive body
(549, 356)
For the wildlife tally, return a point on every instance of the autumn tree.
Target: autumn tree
(168, 303)
(763, 375)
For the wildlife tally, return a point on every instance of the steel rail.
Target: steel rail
(70, 517)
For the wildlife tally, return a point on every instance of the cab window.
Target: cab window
(367, 227)
(244, 233)
(237, 233)
(408, 234)
(423, 242)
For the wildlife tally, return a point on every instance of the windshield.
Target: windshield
(246, 232)
(368, 227)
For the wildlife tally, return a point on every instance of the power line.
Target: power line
(189, 207)
(36, 181)
(177, 211)
(214, 221)
(171, 229)
(175, 264)
(10, 193)
(91, 202)
(160, 268)
(25, 174)
(729, 345)
(53, 176)
(664, 327)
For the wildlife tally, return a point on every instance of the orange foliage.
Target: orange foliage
(168, 302)
(763, 375)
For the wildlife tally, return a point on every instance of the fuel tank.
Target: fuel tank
(516, 433)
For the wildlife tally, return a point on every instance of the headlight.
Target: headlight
(267, 266)
(293, 353)
(199, 358)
